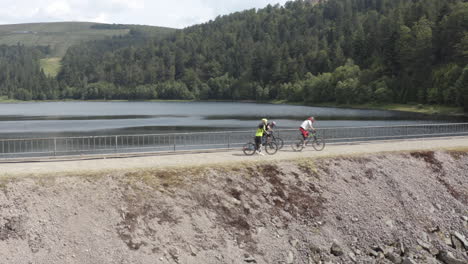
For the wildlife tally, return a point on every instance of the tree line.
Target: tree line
(21, 76)
(337, 51)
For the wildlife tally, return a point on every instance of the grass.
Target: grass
(418, 108)
(415, 108)
(51, 66)
(5, 99)
(306, 165)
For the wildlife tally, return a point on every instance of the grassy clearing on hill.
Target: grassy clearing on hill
(61, 35)
(51, 66)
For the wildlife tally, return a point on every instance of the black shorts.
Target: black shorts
(258, 141)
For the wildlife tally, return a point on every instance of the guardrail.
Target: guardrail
(126, 144)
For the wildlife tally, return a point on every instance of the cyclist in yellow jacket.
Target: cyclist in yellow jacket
(261, 130)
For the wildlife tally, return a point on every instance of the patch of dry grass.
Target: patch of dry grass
(307, 165)
(178, 175)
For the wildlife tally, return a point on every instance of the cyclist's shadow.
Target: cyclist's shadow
(287, 150)
(279, 151)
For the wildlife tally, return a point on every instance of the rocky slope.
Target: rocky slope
(388, 208)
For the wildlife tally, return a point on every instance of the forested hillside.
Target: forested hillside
(337, 51)
(21, 76)
(28, 61)
(55, 38)
(59, 36)
(344, 51)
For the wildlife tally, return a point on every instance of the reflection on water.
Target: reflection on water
(97, 117)
(328, 117)
(52, 119)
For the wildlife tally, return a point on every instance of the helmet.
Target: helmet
(264, 120)
(273, 124)
(311, 119)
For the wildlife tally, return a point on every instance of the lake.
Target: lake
(50, 119)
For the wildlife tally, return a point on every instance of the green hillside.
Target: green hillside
(335, 52)
(342, 52)
(61, 35)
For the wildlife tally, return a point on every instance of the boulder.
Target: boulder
(409, 261)
(448, 258)
(431, 261)
(394, 258)
(434, 229)
(428, 247)
(401, 247)
(373, 253)
(175, 254)
(459, 241)
(250, 259)
(336, 250)
(294, 242)
(193, 250)
(315, 254)
(290, 258)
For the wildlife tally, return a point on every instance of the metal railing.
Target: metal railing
(126, 144)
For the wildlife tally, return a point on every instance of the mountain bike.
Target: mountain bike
(318, 143)
(270, 148)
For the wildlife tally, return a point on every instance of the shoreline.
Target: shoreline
(408, 108)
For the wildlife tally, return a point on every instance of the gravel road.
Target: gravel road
(77, 166)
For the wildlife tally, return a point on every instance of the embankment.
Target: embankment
(374, 208)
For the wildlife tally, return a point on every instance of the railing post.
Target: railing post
(116, 141)
(55, 147)
(174, 141)
(229, 140)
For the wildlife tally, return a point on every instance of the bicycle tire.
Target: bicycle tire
(297, 145)
(279, 142)
(271, 148)
(249, 149)
(318, 144)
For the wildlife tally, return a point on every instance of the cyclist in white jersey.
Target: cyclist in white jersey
(306, 126)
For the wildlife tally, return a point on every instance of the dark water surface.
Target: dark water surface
(50, 119)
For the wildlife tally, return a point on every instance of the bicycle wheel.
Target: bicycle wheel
(297, 145)
(271, 148)
(249, 149)
(279, 142)
(318, 144)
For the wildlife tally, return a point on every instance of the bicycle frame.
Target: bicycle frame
(309, 137)
(268, 138)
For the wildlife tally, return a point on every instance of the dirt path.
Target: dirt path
(211, 158)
